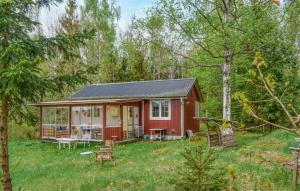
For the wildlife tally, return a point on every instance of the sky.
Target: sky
(129, 8)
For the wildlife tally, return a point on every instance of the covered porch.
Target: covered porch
(91, 120)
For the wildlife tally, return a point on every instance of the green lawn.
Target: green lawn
(146, 165)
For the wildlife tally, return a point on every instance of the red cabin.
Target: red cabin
(124, 111)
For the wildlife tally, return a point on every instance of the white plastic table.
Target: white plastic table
(64, 141)
(161, 132)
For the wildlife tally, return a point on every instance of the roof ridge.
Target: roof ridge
(98, 84)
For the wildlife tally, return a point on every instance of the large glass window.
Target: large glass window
(87, 122)
(160, 109)
(55, 122)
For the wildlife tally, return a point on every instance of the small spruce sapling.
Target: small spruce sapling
(200, 172)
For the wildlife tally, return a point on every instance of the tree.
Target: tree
(269, 84)
(208, 25)
(135, 65)
(21, 56)
(68, 24)
(157, 39)
(102, 51)
(201, 172)
(223, 36)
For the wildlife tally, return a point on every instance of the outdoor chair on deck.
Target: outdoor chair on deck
(106, 152)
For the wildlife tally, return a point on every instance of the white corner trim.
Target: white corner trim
(182, 116)
(143, 116)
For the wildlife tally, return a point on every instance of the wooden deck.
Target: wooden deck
(53, 140)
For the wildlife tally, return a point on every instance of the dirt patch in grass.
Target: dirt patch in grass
(161, 150)
(272, 157)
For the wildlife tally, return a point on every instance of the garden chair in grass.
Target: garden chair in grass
(106, 152)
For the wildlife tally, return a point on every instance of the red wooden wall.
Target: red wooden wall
(173, 123)
(189, 112)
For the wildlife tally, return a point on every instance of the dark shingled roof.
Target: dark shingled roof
(139, 89)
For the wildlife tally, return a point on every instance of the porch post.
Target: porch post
(121, 113)
(104, 122)
(41, 122)
(70, 120)
(143, 118)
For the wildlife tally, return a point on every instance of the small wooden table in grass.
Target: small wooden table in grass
(68, 141)
(161, 133)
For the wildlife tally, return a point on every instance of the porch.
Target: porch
(91, 121)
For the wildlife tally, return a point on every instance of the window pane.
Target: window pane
(86, 115)
(75, 115)
(49, 115)
(155, 109)
(97, 117)
(164, 108)
(113, 118)
(62, 115)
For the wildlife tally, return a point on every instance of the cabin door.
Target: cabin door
(130, 121)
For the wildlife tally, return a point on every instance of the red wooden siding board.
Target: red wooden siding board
(174, 123)
(113, 131)
(189, 111)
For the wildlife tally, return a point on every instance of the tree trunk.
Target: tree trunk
(6, 180)
(226, 75)
(226, 86)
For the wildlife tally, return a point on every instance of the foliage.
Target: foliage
(101, 52)
(275, 96)
(201, 172)
(201, 25)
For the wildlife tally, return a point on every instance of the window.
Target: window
(113, 116)
(87, 122)
(197, 109)
(55, 121)
(160, 109)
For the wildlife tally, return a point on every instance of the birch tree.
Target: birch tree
(222, 34)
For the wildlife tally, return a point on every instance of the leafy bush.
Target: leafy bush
(23, 131)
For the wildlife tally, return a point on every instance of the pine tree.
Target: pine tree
(201, 172)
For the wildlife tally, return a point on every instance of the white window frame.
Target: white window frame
(160, 117)
(197, 109)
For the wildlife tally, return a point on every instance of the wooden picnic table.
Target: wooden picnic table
(160, 130)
